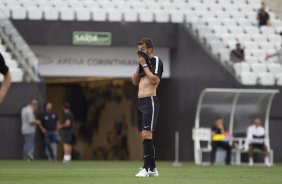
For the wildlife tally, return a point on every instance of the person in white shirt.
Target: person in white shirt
(255, 139)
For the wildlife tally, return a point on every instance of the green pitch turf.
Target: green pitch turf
(119, 172)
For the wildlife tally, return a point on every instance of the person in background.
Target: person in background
(237, 54)
(49, 121)
(218, 128)
(255, 139)
(7, 78)
(263, 17)
(66, 128)
(28, 129)
(277, 54)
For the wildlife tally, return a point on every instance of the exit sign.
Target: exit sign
(91, 38)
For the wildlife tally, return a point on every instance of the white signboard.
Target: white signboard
(81, 61)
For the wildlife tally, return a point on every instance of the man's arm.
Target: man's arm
(39, 124)
(271, 55)
(5, 85)
(66, 124)
(135, 77)
(153, 78)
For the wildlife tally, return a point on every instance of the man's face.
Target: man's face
(263, 6)
(238, 46)
(34, 106)
(257, 122)
(219, 123)
(144, 49)
(49, 107)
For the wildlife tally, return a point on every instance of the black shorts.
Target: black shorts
(147, 113)
(258, 145)
(67, 137)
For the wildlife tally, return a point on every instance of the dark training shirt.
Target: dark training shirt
(263, 18)
(49, 121)
(155, 65)
(68, 116)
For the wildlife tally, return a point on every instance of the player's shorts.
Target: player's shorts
(258, 145)
(67, 136)
(147, 113)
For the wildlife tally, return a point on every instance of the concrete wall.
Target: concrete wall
(11, 140)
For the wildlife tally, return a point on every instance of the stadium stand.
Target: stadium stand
(219, 24)
(21, 60)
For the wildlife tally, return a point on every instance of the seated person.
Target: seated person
(263, 17)
(237, 54)
(218, 128)
(255, 136)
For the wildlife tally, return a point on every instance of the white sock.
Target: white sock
(266, 160)
(67, 157)
(251, 161)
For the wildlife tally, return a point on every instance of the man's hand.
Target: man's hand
(141, 60)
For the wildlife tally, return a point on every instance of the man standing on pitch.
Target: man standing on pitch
(147, 78)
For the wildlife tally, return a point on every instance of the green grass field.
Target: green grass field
(122, 172)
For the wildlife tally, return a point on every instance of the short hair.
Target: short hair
(148, 42)
(256, 117)
(218, 118)
(34, 102)
(67, 105)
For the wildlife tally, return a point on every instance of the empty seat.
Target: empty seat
(248, 78)
(274, 38)
(258, 68)
(18, 13)
(177, 16)
(258, 37)
(250, 45)
(51, 14)
(246, 22)
(114, 15)
(266, 79)
(213, 21)
(252, 30)
(278, 77)
(17, 74)
(274, 68)
(266, 46)
(99, 15)
(161, 16)
(219, 29)
(241, 67)
(251, 60)
(83, 14)
(228, 21)
(67, 14)
(243, 37)
(34, 13)
(130, 15)
(146, 16)
(267, 30)
(236, 29)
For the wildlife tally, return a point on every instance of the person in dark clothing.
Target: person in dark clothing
(237, 54)
(263, 17)
(218, 128)
(67, 133)
(49, 121)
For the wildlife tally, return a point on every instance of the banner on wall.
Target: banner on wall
(79, 61)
